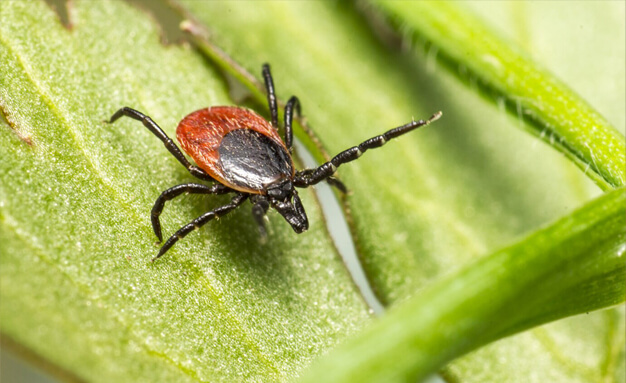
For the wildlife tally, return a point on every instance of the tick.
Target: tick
(242, 153)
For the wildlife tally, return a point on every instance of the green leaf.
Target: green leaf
(573, 265)
(584, 348)
(76, 284)
(221, 306)
(552, 111)
(588, 348)
(464, 186)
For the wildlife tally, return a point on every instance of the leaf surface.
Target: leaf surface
(587, 348)
(462, 187)
(572, 265)
(77, 286)
(504, 72)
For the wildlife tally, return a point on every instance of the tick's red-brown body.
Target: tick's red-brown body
(202, 136)
(243, 154)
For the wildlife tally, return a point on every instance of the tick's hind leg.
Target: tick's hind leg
(174, 192)
(201, 221)
(168, 142)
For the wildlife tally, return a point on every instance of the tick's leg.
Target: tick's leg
(174, 192)
(291, 104)
(326, 170)
(271, 95)
(168, 142)
(201, 221)
(332, 181)
(259, 209)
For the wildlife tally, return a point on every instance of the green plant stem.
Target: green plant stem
(507, 76)
(570, 267)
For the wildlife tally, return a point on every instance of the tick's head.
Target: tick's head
(281, 191)
(286, 201)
